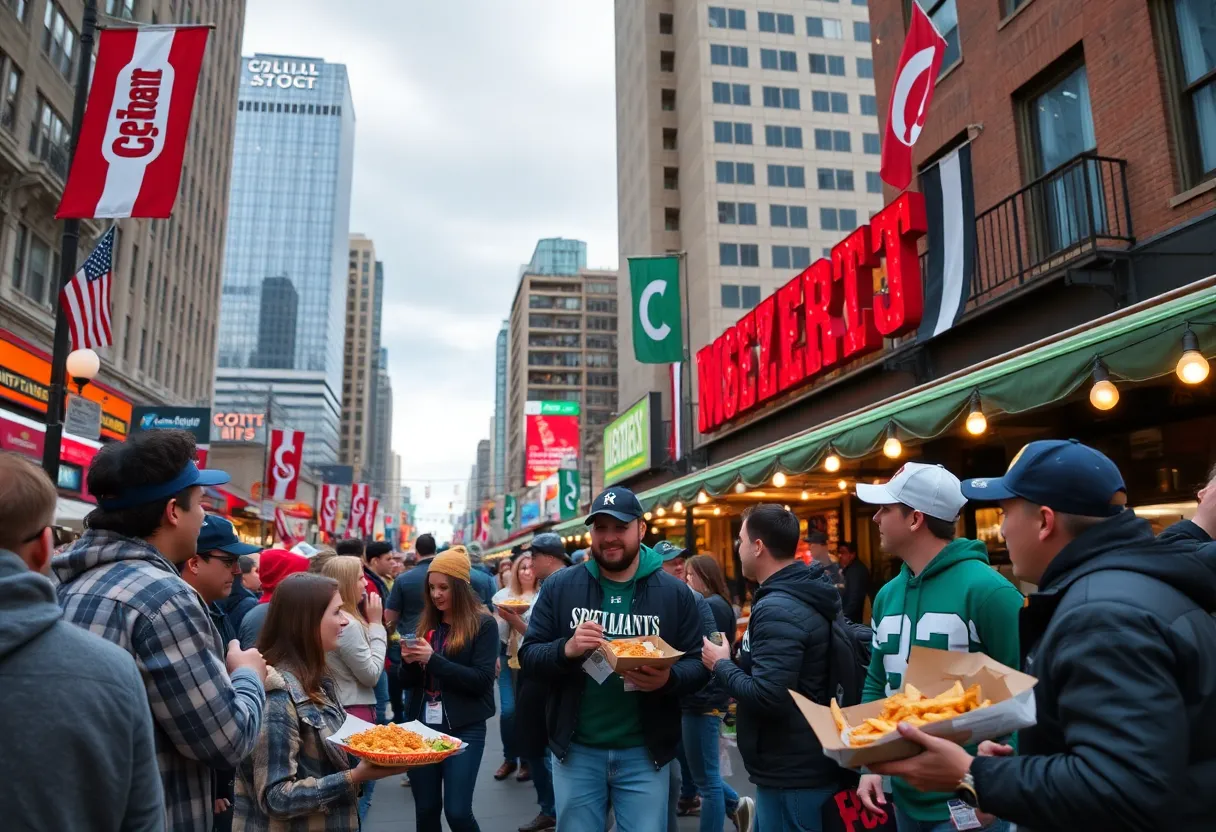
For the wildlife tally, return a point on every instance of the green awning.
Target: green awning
(1135, 346)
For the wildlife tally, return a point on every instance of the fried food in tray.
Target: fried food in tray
(635, 649)
(913, 707)
(395, 741)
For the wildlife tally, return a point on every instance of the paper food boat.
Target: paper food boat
(515, 605)
(354, 725)
(620, 663)
(933, 672)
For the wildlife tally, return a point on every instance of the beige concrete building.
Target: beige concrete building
(361, 358)
(166, 292)
(747, 137)
(562, 347)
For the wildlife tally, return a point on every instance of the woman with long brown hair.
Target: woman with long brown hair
(449, 670)
(295, 779)
(357, 662)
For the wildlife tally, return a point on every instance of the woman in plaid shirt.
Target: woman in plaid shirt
(295, 781)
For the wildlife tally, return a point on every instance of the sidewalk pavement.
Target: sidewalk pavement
(498, 807)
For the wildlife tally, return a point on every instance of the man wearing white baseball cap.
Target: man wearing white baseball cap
(946, 596)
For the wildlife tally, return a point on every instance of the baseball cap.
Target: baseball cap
(616, 502)
(1061, 474)
(547, 543)
(138, 495)
(275, 566)
(929, 489)
(217, 533)
(668, 550)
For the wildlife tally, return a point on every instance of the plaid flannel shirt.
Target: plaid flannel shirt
(125, 591)
(295, 781)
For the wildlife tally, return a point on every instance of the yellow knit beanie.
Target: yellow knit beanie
(452, 562)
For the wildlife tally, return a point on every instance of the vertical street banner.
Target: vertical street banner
(658, 335)
(567, 493)
(510, 513)
(483, 523)
(370, 517)
(359, 493)
(290, 526)
(551, 439)
(128, 161)
(285, 456)
(674, 448)
(327, 511)
(950, 212)
(912, 91)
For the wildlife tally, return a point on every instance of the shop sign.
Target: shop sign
(25, 436)
(196, 420)
(630, 440)
(83, 418)
(827, 316)
(235, 426)
(551, 439)
(25, 377)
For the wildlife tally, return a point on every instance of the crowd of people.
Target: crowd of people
(179, 679)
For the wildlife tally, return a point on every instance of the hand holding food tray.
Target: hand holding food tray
(962, 697)
(515, 606)
(640, 651)
(401, 746)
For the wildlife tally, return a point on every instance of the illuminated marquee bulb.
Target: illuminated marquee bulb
(779, 480)
(660, 511)
(976, 421)
(831, 463)
(740, 488)
(892, 448)
(806, 495)
(1104, 394)
(677, 507)
(647, 515)
(1192, 366)
(843, 485)
(702, 498)
(717, 511)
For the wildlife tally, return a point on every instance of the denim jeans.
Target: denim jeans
(791, 810)
(506, 709)
(904, 823)
(700, 744)
(688, 786)
(589, 778)
(542, 778)
(397, 695)
(382, 698)
(447, 788)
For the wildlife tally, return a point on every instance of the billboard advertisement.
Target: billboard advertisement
(551, 439)
(197, 420)
(631, 439)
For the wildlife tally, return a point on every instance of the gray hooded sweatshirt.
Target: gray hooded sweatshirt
(75, 725)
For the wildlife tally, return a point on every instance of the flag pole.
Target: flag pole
(68, 250)
(266, 462)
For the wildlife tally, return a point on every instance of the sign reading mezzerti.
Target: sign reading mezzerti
(825, 317)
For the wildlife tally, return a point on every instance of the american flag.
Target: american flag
(86, 297)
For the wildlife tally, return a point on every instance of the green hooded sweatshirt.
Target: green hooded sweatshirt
(608, 716)
(958, 602)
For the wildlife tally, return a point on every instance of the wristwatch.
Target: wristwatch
(965, 791)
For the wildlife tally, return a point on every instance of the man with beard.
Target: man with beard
(613, 735)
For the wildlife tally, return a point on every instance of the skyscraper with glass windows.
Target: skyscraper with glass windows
(288, 227)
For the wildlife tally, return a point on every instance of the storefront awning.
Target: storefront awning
(1136, 344)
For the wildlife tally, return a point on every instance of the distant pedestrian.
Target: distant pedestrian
(101, 741)
(449, 670)
(521, 586)
(817, 541)
(856, 582)
(295, 780)
(121, 581)
(277, 566)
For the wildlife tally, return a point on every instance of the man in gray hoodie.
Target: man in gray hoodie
(72, 761)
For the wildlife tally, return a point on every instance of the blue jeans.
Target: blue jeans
(591, 777)
(787, 810)
(688, 786)
(542, 777)
(447, 788)
(365, 802)
(700, 733)
(904, 823)
(506, 715)
(382, 698)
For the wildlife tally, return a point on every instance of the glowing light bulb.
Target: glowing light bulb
(831, 464)
(660, 511)
(1192, 367)
(892, 448)
(702, 498)
(779, 480)
(1104, 394)
(843, 485)
(976, 422)
(740, 488)
(806, 495)
(717, 511)
(677, 507)
(648, 515)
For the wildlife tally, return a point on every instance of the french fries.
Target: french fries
(913, 707)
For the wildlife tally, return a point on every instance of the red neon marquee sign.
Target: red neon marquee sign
(825, 317)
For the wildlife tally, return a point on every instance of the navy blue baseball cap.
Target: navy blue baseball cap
(138, 495)
(668, 550)
(616, 502)
(1062, 474)
(217, 533)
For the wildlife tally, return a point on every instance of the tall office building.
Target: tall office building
(277, 321)
(361, 357)
(747, 137)
(382, 428)
(289, 217)
(556, 255)
(562, 346)
(481, 485)
(166, 286)
(498, 431)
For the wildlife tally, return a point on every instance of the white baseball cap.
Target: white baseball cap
(929, 489)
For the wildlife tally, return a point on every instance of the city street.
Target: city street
(499, 807)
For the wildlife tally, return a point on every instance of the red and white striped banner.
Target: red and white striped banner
(285, 458)
(289, 528)
(128, 161)
(677, 413)
(369, 519)
(355, 523)
(327, 511)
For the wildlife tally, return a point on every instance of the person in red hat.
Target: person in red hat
(273, 567)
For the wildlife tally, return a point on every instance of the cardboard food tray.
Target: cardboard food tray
(621, 663)
(517, 607)
(933, 672)
(354, 725)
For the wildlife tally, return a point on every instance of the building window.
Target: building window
(730, 296)
(828, 219)
(719, 54)
(783, 136)
(725, 171)
(861, 31)
(665, 24)
(768, 59)
(745, 173)
(869, 105)
(749, 255)
(58, 39)
(11, 96)
(824, 27)
(1062, 129)
(778, 216)
(865, 67)
(671, 218)
(848, 219)
(728, 254)
(720, 18)
(1192, 25)
(781, 24)
(741, 94)
(667, 61)
(736, 19)
(743, 133)
(669, 138)
(840, 102)
(721, 92)
(723, 132)
(788, 61)
(667, 100)
(797, 257)
(18, 7)
(738, 56)
(827, 64)
(798, 216)
(19, 247)
(834, 179)
(49, 137)
(871, 143)
(750, 295)
(726, 213)
(776, 176)
(873, 182)
(782, 98)
(944, 14)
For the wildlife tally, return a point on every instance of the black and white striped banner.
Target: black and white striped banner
(950, 210)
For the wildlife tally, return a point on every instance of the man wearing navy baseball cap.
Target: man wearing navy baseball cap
(613, 735)
(1121, 637)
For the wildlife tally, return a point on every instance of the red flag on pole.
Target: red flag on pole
(358, 510)
(128, 161)
(327, 511)
(283, 466)
(369, 518)
(911, 93)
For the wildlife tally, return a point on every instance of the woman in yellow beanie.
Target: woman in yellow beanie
(449, 671)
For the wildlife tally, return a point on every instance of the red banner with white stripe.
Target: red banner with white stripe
(356, 523)
(128, 161)
(285, 457)
(327, 511)
(290, 527)
(369, 519)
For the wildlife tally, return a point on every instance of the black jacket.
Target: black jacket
(856, 588)
(785, 648)
(542, 654)
(1122, 639)
(466, 680)
(722, 620)
(238, 602)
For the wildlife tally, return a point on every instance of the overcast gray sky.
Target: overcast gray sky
(482, 126)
